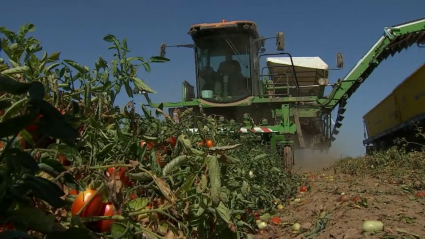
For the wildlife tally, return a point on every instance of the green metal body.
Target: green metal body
(282, 115)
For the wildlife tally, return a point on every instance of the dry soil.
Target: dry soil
(351, 201)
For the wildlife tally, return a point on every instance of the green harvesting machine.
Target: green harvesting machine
(282, 101)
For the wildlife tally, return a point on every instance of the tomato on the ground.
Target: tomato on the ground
(276, 220)
(107, 209)
(303, 189)
(92, 209)
(420, 194)
(356, 199)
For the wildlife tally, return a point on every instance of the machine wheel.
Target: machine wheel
(288, 157)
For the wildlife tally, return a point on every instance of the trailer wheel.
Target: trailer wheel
(288, 157)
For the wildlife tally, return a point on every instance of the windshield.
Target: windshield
(223, 65)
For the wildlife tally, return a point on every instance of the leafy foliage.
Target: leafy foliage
(61, 131)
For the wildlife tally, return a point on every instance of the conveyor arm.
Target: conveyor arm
(393, 41)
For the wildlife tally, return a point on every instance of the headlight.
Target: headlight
(323, 81)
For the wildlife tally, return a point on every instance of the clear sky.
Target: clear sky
(312, 28)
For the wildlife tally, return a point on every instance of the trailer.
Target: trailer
(397, 116)
(283, 101)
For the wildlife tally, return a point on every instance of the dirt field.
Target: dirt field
(389, 201)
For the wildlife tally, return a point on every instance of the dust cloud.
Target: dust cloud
(307, 160)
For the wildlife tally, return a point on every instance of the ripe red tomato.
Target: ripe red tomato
(73, 192)
(159, 158)
(1, 145)
(78, 176)
(133, 196)
(106, 210)
(303, 189)
(121, 173)
(209, 143)
(92, 209)
(172, 141)
(150, 145)
(2, 113)
(7, 227)
(64, 160)
(62, 111)
(130, 183)
(22, 141)
(34, 127)
(276, 220)
(420, 194)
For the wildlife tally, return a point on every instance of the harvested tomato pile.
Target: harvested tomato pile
(73, 164)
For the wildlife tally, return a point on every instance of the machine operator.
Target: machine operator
(229, 66)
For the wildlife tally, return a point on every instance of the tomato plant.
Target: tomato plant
(85, 122)
(93, 207)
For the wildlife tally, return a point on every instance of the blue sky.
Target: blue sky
(312, 28)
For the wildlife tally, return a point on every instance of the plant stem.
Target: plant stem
(110, 166)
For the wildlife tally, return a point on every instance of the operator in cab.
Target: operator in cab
(230, 74)
(229, 66)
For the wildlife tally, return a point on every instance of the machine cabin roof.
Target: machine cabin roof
(202, 29)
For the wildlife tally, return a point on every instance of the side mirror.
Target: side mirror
(162, 50)
(280, 41)
(339, 60)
